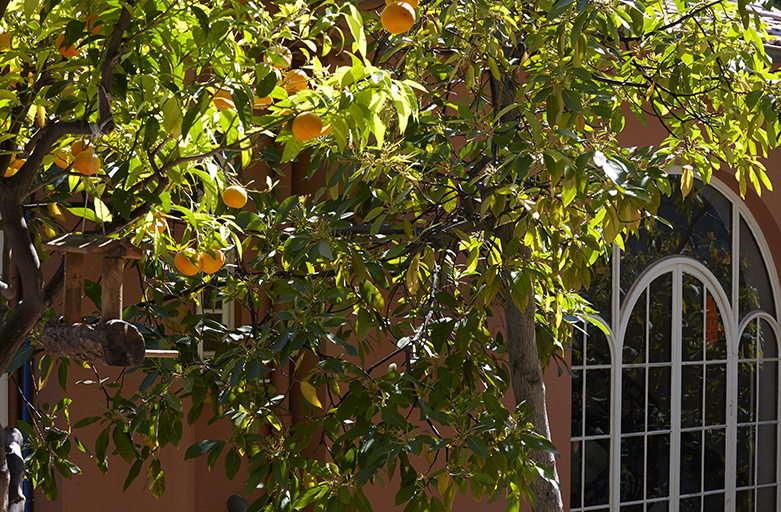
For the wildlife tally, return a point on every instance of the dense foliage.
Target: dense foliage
(476, 153)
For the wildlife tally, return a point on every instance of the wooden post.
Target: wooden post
(74, 280)
(111, 304)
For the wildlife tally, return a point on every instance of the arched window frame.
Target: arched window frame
(733, 325)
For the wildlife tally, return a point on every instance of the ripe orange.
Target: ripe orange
(158, 225)
(13, 166)
(307, 126)
(211, 264)
(78, 146)
(412, 3)
(398, 17)
(326, 130)
(68, 53)
(234, 196)
(183, 263)
(91, 27)
(284, 54)
(87, 163)
(222, 100)
(5, 40)
(262, 102)
(295, 80)
(62, 159)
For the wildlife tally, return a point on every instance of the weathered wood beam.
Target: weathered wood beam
(74, 281)
(112, 343)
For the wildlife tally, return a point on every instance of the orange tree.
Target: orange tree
(472, 169)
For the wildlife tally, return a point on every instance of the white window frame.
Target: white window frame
(227, 312)
(733, 327)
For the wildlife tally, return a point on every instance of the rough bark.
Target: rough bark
(528, 387)
(112, 343)
(524, 359)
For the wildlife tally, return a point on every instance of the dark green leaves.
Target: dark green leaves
(202, 448)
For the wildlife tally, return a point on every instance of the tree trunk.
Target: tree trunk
(528, 387)
(112, 343)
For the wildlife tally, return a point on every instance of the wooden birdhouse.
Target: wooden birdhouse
(114, 251)
(112, 341)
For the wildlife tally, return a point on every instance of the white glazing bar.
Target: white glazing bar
(615, 392)
(675, 398)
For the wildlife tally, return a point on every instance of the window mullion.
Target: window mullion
(675, 399)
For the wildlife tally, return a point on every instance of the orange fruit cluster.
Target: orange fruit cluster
(205, 261)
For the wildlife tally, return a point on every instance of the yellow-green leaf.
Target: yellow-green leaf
(310, 394)
(413, 280)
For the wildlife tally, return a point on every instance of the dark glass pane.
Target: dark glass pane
(691, 504)
(577, 347)
(715, 453)
(702, 229)
(754, 284)
(767, 384)
(601, 290)
(745, 453)
(766, 454)
(766, 499)
(632, 468)
(716, 394)
(596, 478)
(747, 398)
(658, 466)
(575, 474)
(577, 403)
(692, 319)
(659, 506)
(691, 396)
(713, 502)
(748, 341)
(744, 501)
(634, 339)
(767, 340)
(638, 507)
(597, 347)
(660, 319)
(715, 337)
(691, 462)
(633, 400)
(658, 398)
(597, 402)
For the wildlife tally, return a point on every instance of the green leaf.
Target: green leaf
(101, 211)
(202, 448)
(135, 469)
(355, 22)
(155, 479)
(23, 354)
(124, 445)
(101, 446)
(86, 421)
(478, 446)
(232, 463)
(293, 147)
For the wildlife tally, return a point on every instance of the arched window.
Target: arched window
(675, 409)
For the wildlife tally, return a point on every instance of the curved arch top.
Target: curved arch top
(690, 423)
